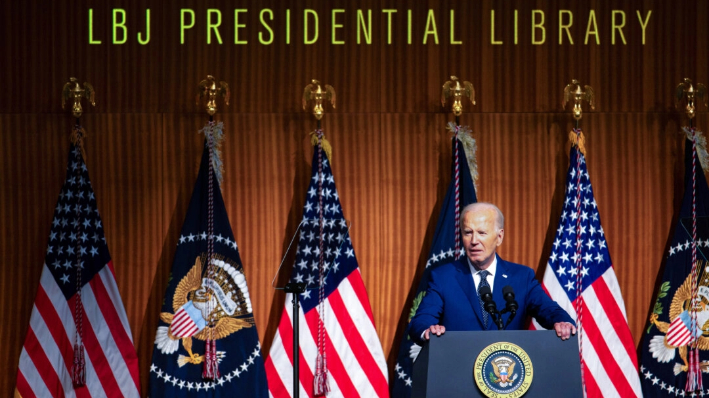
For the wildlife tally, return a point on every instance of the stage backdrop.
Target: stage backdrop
(387, 60)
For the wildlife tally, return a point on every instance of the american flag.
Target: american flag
(355, 360)
(460, 193)
(580, 263)
(77, 240)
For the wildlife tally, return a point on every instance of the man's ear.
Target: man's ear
(500, 236)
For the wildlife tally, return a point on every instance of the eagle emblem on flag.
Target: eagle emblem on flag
(677, 332)
(229, 305)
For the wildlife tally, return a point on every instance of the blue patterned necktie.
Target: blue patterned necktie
(483, 282)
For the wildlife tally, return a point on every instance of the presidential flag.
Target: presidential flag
(664, 347)
(78, 307)
(336, 320)
(580, 277)
(444, 249)
(204, 303)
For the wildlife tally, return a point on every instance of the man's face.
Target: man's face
(480, 238)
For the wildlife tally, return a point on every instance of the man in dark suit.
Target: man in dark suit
(452, 300)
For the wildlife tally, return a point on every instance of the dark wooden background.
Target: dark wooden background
(391, 154)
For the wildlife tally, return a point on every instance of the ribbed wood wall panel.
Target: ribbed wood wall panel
(391, 151)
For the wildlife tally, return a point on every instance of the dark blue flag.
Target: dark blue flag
(179, 353)
(664, 347)
(442, 251)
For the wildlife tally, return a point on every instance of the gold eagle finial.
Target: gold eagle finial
(453, 88)
(687, 91)
(315, 92)
(573, 91)
(208, 88)
(72, 90)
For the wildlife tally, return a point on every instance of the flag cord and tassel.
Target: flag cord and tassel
(320, 382)
(210, 371)
(694, 374)
(457, 188)
(78, 370)
(577, 139)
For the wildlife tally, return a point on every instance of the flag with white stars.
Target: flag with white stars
(442, 251)
(355, 361)
(77, 242)
(580, 267)
(194, 296)
(664, 364)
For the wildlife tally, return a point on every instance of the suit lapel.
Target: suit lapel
(501, 280)
(465, 280)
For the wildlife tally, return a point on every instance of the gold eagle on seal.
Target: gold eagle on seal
(224, 300)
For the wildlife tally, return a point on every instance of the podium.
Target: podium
(446, 365)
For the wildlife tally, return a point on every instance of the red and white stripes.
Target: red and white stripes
(47, 355)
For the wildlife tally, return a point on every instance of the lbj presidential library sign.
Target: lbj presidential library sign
(266, 26)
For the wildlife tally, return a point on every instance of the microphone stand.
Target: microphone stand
(296, 289)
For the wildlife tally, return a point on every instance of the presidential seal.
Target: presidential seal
(503, 370)
(228, 304)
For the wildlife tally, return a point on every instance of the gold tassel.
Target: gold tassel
(325, 144)
(579, 140)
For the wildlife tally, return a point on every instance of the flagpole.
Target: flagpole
(317, 93)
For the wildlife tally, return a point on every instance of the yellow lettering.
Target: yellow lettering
(335, 26)
(91, 28)
(492, 29)
(539, 25)
(516, 27)
(409, 27)
(592, 20)
(453, 40)
(122, 25)
(213, 26)
(643, 25)
(389, 12)
(237, 26)
(617, 27)
(307, 12)
(265, 25)
(288, 26)
(183, 26)
(147, 29)
(430, 27)
(565, 27)
(366, 28)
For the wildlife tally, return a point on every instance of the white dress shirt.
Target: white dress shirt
(492, 269)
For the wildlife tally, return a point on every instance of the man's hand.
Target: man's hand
(435, 329)
(563, 329)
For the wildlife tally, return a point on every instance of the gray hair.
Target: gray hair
(499, 219)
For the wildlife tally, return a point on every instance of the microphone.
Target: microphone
(511, 305)
(490, 306)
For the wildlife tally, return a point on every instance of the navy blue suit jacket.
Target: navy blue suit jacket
(451, 300)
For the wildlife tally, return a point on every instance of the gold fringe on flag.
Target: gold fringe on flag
(579, 140)
(325, 144)
(77, 138)
(465, 135)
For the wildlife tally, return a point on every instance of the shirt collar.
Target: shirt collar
(492, 269)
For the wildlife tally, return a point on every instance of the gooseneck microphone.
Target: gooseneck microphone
(511, 305)
(490, 306)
